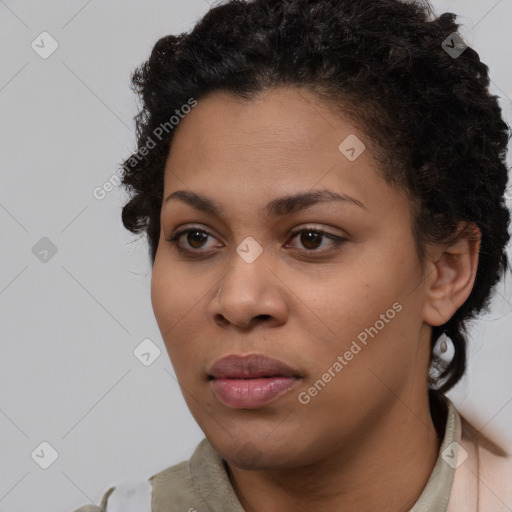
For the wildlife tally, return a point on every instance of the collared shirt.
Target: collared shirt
(202, 484)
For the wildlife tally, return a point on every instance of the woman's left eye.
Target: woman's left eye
(310, 239)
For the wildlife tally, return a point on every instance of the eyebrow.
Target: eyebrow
(276, 208)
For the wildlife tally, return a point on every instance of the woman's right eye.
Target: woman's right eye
(200, 236)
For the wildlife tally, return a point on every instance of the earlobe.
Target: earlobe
(452, 275)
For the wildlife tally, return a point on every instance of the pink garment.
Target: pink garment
(482, 480)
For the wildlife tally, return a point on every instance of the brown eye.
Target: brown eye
(196, 237)
(310, 239)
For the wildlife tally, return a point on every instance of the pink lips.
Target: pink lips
(250, 382)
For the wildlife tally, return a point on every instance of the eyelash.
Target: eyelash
(337, 241)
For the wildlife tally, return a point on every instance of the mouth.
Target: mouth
(252, 381)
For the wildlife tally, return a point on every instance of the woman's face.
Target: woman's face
(346, 318)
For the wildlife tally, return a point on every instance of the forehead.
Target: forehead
(284, 118)
(284, 141)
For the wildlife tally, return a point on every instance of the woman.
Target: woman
(321, 184)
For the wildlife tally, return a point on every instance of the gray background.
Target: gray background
(69, 325)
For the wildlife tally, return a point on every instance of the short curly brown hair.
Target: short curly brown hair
(430, 119)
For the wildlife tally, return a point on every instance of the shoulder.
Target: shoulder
(170, 490)
(494, 470)
(186, 486)
(173, 489)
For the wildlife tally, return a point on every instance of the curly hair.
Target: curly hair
(431, 122)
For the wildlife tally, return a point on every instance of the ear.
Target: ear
(451, 272)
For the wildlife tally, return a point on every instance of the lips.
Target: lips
(250, 367)
(250, 382)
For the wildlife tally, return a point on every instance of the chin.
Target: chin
(251, 456)
(248, 456)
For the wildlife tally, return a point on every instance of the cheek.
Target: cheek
(174, 293)
(368, 312)
(163, 296)
(369, 375)
(351, 300)
(169, 301)
(176, 306)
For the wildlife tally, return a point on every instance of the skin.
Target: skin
(366, 441)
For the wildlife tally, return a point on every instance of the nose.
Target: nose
(249, 294)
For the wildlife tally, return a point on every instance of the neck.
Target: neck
(385, 468)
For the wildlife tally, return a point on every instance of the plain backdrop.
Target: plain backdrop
(75, 285)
